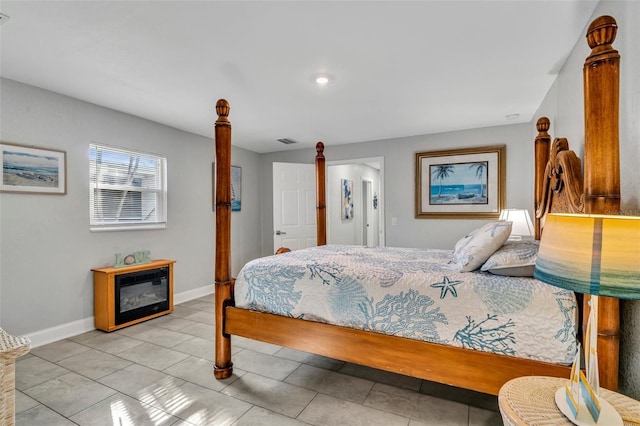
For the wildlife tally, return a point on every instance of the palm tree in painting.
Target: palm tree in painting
(443, 171)
(481, 169)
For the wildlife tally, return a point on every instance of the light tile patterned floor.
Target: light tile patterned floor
(160, 372)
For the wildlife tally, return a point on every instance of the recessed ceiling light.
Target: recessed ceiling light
(322, 79)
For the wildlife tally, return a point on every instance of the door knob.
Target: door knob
(278, 232)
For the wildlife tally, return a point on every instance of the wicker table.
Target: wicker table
(530, 400)
(11, 347)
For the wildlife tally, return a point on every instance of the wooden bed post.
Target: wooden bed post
(223, 288)
(321, 206)
(542, 147)
(602, 170)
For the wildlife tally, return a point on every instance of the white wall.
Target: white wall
(564, 106)
(47, 251)
(348, 231)
(399, 177)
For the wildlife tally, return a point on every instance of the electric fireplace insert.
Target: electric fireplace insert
(140, 294)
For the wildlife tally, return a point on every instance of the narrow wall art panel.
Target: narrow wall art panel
(347, 198)
(236, 188)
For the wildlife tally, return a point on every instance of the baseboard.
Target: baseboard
(70, 329)
(59, 332)
(185, 296)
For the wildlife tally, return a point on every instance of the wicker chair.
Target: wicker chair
(11, 347)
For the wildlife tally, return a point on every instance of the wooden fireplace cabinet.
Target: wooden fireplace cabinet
(104, 293)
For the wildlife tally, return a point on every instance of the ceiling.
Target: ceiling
(398, 68)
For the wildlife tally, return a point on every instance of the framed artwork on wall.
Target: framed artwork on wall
(466, 183)
(346, 186)
(213, 186)
(236, 188)
(29, 169)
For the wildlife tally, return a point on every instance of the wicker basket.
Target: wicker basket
(11, 347)
(531, 401)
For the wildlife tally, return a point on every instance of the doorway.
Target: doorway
(367, 175)
(304, 196)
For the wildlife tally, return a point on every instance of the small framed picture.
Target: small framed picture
(29, 169)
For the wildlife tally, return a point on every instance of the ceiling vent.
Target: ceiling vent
(3, 18)
(287, 141)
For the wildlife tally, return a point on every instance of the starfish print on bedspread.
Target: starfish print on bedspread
(447, 286)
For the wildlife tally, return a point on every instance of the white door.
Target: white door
(294, 206)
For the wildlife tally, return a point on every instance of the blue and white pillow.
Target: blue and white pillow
(472, 250)
(513, 259)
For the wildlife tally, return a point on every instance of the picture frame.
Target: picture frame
(236, 188)
(213, 186)
(346, 191)
(33, 170)
(465, 183)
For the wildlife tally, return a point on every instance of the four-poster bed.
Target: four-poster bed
(558, 188)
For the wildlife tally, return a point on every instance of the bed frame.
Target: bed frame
(558, 187)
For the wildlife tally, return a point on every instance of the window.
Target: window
(127, 189)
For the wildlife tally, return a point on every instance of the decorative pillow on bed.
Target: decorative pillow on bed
(474, 249)
(514, 259)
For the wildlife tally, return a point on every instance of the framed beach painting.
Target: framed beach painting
(466, 183)
(30, 169)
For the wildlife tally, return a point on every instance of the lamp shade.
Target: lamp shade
(591, 254)
(522, 225)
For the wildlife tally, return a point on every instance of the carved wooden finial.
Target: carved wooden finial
(602, 31)
(543, 125)
(319, 147)
(222, 109)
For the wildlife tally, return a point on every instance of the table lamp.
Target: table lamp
(596, 255)
(522, 227)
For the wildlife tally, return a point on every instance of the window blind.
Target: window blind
(128, 189)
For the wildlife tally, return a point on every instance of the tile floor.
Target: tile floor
(160, 373)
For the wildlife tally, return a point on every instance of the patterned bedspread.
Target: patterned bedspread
(414, 293)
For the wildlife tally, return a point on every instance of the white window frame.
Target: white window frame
(113, 170)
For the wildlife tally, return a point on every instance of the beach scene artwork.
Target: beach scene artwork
(461, 183)
(26, 169)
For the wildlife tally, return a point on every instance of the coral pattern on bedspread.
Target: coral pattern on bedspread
(414, 293)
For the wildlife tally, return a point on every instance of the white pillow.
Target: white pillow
(514, 259)
(472, 250)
